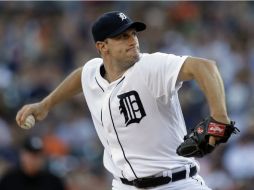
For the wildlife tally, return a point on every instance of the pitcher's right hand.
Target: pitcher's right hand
(38, 110)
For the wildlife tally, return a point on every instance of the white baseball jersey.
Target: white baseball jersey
(138, 117)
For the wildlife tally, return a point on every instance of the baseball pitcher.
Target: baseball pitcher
(133, 100)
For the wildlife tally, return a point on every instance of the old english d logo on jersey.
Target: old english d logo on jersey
(131, 107)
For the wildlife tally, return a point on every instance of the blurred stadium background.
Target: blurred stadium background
(41, 42)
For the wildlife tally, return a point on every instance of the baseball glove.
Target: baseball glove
(196, 144)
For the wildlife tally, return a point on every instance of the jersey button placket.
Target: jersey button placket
(107, 125)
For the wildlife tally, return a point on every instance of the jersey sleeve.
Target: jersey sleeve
(161, 71)
(88, 72)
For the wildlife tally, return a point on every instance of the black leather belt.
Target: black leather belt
(156, 181)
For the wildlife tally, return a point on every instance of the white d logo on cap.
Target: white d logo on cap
(122, 16)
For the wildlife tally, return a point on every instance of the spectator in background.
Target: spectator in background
(31, 174)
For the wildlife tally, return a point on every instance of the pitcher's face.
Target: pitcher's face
(124, 48)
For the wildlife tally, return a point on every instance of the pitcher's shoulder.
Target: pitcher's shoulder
(90, 67)
(93, 63)
(155, 55)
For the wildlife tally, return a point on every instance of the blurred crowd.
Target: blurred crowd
(42, 42)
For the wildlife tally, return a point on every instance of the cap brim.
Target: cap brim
(139, 26)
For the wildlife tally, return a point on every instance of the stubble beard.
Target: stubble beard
(125, 64)
(133, 59)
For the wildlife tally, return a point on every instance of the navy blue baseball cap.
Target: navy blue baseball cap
(112, 24)
(33, 144)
